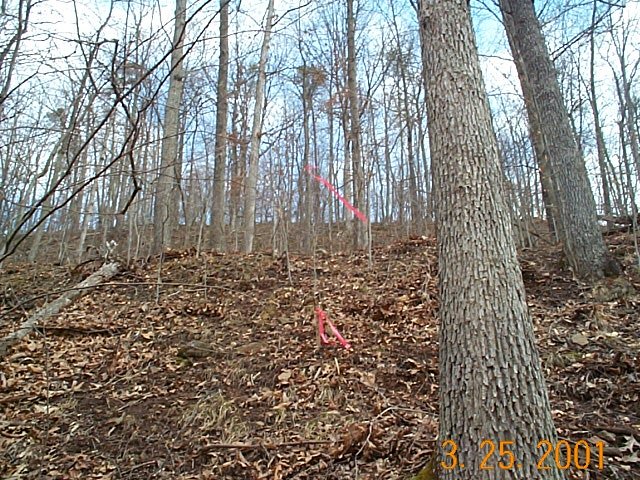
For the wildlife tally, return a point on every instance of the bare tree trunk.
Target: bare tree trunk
(593, 100)
(628, 106)
(414, 202)
(623, 99)
(577, 216)
(318, 207)
(55, 161)
(331, 166)
(9, 54)
(237, 163)
(388, 190)
(65, 152)
(85, 223)
(222, 108)
(491, 382)
(538, 143)
(347, 177)
(165, 217)
(306, 156)
(256, 132)
(429, 207)
(426, 207)
(361, 239)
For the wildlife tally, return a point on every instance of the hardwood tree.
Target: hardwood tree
(520, 172)
(65, 153)
(48, 192)
(361, 239)
(597, 123)
(333, 106)
(628, 126)
(542, 157)
(309, 78)
(553, 137)
(64, 169)
(222, 108)
(399, 60)
(165, 217)
(624, 79)
(491, 381)
(243, 89)
(14, 25)
(249, 213)
(338, 108)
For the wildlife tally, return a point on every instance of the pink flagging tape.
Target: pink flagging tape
(361, 216)
(321, 317)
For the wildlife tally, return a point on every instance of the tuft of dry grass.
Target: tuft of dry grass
(216, 414)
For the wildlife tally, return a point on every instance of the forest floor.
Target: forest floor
(215, 373)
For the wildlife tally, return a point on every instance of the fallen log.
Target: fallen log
(106, 272)
(618, 224)
(625, 220)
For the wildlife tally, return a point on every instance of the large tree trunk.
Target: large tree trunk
(165, 218)
(222, 107)
(491, 383)
(576, 220)
(256, 131)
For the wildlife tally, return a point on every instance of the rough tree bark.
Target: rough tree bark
(491, 382)
(541, 153)
(576, 220)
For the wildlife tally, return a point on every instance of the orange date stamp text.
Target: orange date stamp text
(561, 454)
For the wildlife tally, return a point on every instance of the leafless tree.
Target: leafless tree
(491, 381)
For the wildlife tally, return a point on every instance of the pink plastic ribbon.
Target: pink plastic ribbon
(361, 216)
(321, 316)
